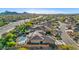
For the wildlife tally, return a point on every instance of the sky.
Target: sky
(43, 10)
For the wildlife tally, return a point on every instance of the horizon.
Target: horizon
(42, 10)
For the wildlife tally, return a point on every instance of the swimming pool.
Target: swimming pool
(22, 39)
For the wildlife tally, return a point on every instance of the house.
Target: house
(70, 32)
(59, 42)
(76, 27)
(40, 41)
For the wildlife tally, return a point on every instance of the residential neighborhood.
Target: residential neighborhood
(30, 31)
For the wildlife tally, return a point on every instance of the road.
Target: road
(12, 25)
(65, 37)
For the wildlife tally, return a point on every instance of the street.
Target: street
(65, 37)
(11, 26)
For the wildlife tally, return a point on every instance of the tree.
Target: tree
(11, 44)
(9, 36)
(2, 22)
(48, 32)
(58, 37)
(1, 43)
(21, 29)
(67, 47)
(28, 24)
(62, 18)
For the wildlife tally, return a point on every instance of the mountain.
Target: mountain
(12, 13)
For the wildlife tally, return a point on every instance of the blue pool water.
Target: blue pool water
(22, 39)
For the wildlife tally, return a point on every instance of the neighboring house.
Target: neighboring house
(59, 42)
(76, 27)
(70, 32)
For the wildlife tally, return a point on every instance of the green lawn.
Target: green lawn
(3, 23)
